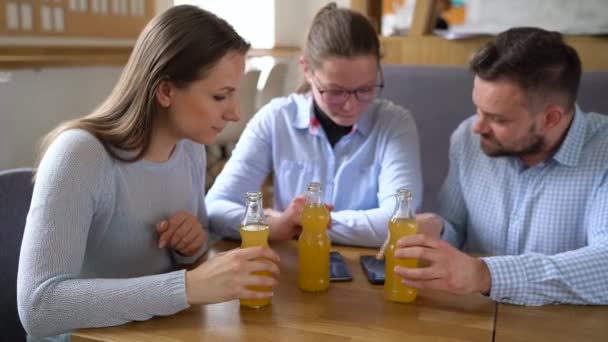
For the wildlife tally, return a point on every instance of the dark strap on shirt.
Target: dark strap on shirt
(333, 131)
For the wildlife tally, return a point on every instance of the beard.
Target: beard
(533, 143)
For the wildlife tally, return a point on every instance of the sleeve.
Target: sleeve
(248, 166)
(52, 299)
(574, 277)
(399, 168)
(451, 201)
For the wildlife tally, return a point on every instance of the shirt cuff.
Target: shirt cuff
(508, 279)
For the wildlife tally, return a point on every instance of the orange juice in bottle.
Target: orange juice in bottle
(402, 223)
(314, 244)
(254, 232)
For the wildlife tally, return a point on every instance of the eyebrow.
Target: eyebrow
(227, 88)
(495, 115)
(329, 85)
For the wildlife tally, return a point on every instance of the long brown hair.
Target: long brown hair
(338, 32)
(179, 45)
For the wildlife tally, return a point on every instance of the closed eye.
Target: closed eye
(219, 98)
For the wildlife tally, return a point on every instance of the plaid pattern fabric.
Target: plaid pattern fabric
(546, 227)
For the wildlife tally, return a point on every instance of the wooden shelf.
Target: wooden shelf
(17, 57)
(434, 50)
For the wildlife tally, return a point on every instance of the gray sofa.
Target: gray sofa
(440, 98)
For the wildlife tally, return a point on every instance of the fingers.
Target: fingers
(300, 199)
(195, 244)
(250, 294)
(260, 280)
(179, 231)
(258, 252)
(263, 265)
(182, 229)
(429, 224)
(416, 274)
(162, 226)
(435, 284)
(167, 228)
(187, 239)
(417, 252)
(418, 240)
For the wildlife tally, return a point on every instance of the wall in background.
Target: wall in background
(33, 101)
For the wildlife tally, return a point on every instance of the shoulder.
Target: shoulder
(463, 134)
(76, 160)
(288, 105)
(597, 135)
(390, 117)
(283, 111)
(386, 109)
(77, 147)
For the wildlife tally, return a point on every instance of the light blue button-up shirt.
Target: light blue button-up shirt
(547, 224)
(359, 175)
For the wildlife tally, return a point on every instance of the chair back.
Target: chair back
(16, 188)
(274, 85)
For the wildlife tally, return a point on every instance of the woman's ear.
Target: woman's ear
(305, 68)
(164, 90)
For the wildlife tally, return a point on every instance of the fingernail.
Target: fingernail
(163, 224)
(162, 244)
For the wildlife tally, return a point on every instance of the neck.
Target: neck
(162, 141)
(553, 142)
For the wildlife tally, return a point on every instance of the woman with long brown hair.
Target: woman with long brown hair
(119, 194)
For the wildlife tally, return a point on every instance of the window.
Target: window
(254, 20)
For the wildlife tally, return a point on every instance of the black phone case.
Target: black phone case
(373, 268)
(338, 270)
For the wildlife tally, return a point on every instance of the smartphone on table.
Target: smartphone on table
(373, 269)
(338, 270)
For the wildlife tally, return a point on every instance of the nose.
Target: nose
(349, 103)
(480, 126)
(233, 112)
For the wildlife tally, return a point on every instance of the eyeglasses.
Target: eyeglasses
(340, 95)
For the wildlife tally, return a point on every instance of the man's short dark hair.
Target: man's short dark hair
(538, 60)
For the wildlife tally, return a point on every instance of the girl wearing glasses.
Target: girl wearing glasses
(333, 130)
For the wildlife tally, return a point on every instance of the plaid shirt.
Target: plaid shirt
(546, 226)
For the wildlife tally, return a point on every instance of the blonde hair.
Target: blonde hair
(338, 32)
(179, 45)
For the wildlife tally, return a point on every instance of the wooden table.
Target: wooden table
(350, 311)
(555, 323)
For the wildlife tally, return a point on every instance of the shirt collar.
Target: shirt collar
(305, 117)
(570, 150)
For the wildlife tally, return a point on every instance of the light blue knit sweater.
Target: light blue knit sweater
(90, 255)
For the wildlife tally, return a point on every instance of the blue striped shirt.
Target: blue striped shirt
(359, 175)
(546, 226)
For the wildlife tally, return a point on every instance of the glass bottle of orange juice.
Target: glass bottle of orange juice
(402, 223)
(254, 232)
(314, 244)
